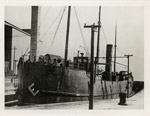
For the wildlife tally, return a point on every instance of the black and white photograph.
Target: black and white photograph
(74, 57)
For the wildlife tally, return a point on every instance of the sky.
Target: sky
(130, 31)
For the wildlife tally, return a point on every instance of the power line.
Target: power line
(57, 28)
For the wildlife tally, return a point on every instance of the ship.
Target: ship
(53, 79)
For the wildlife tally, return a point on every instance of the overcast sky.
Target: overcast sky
(130, 31)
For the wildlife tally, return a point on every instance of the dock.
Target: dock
(10, 90)
(134, 102)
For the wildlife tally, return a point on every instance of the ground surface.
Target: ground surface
(10, 84)
(134, 102)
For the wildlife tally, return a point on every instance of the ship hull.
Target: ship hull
(39, 83)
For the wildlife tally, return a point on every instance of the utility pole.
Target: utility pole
(93, 27)
(128, 57)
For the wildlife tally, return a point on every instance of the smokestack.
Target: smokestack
(34, 32)
(108, 67)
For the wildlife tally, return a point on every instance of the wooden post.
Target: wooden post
(91, 65)
(92, 69)
(128, 56)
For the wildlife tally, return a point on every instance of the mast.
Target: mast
(67, 35)
(115, 48)
(98, 36)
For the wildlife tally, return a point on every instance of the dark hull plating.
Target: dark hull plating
(39, 83)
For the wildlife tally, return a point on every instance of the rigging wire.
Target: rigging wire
(120, 64)
(102, 47)
(116, 62)
(45, 31)
(118, 50)
(26, 52)
(51, 24)
(45, 16)
(57, 29)
(104, 34)
(79, 26)
(106, 38)
(81, 32)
